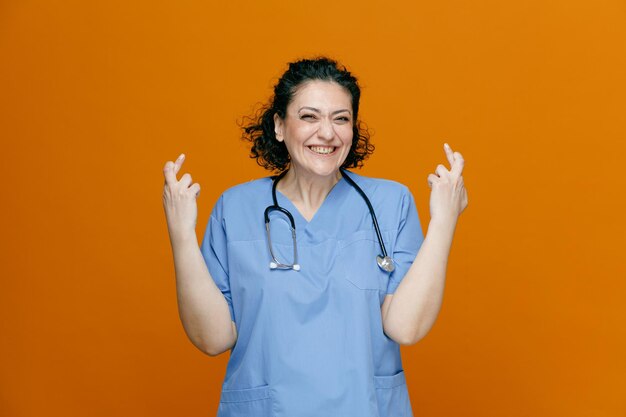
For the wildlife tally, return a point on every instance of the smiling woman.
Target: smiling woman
(317, 132)
(305, 306)
(272, 153)
(309, 132)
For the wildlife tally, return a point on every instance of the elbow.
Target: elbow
(208, 350)
(213, 350)
(410, 339)
(405, 337)
(414, 339)
(207, 347)
(215, 346)
(407, 340)
(398, 336)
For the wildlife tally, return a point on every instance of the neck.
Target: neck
(307, 192)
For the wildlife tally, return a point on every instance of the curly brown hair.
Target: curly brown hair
(259, 129)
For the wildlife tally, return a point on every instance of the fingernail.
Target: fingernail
(182, 156)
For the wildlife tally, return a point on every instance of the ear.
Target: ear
(279, 127)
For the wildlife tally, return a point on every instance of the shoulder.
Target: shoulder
(240, 195)
(247, 188)
(391, 200)
(380, 186)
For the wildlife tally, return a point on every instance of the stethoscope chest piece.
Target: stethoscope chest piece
(385, 263)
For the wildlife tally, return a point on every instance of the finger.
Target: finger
(195, 188)
(432, 178)
(179, 163)
(459, 163)
(185, 180)
(168, 172)
(449, 154)
(441, 171)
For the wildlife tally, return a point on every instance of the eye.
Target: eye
(343, 119)
(307, 117)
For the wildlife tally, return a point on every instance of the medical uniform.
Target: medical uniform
(311, 342)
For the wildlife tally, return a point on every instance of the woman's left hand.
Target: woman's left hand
(448, 197)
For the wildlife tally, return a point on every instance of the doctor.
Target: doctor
(290, 274)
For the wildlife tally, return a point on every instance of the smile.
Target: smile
(322, 150)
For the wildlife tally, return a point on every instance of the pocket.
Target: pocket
(357, 257)
(255, 401)
(393, 396)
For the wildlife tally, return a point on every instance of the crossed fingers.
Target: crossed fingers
(171, 169)
(171, 183)
(456, 166)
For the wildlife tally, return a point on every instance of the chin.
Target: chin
(319, 171)
(320, 168)
(325, 169)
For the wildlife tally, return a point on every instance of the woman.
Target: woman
(314, 316)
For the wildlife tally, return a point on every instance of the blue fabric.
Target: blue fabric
(311, 342)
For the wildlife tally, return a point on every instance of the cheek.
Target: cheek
(347, 136)
(301, 133)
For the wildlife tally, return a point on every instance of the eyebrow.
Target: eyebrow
(319, 111)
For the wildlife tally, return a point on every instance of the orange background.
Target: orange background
(96, 96)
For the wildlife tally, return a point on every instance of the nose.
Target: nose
(326, 130)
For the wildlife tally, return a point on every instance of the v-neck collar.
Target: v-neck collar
(285, 202)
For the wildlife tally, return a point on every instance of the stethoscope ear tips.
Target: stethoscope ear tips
(296, 267)
(273, 265)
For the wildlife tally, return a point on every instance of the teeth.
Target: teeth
(322, 149)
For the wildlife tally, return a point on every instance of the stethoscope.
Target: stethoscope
(384, 261)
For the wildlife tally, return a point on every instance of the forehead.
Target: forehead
(322, 95)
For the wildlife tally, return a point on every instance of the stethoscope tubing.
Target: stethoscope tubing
(275, 264)
(371, 209)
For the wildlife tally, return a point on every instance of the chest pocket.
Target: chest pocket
(357, 259)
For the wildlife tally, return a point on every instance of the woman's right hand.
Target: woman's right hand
(179, 201)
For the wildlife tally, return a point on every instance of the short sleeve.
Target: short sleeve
(214, 248)
(408, 241)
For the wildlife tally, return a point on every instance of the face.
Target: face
(317, 129)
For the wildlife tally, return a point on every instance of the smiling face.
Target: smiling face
(317, 128)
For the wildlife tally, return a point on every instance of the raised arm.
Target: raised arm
(202, 308)
(410, 313)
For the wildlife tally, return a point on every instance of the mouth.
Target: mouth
(322, 150)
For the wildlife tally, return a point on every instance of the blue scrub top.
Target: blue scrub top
(311, 342)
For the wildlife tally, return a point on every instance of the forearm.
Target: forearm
(417, 300)
(202, 308)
